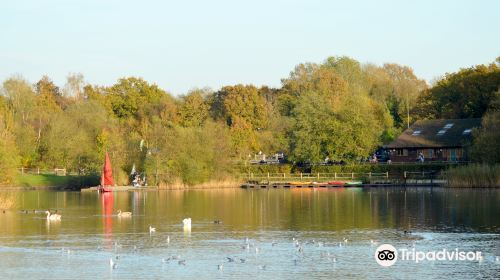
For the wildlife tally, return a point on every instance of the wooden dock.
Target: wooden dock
(326, 186)
(320, 180)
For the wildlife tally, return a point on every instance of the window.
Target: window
(430, 153)
(448, 126)
(402, 152)
(441, 132)
(467, 131)
(416, 132)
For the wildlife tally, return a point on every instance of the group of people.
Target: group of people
(137, 180)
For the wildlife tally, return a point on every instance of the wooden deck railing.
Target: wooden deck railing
(369, 177)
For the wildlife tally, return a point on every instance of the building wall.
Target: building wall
(430, 154)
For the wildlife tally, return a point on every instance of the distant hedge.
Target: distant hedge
(391, 168)
(356, 168)
(266, 168)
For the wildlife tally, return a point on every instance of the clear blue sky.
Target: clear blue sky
(180, 45)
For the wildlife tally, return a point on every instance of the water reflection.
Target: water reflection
(270, 219)
(107, 218)
(300, 209)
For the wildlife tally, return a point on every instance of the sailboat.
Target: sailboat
(107, 176)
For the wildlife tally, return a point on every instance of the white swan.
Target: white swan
(112, 264)
(53, 217)
(187, 222)
(124, 214)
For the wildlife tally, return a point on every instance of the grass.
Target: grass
(51, 180)
(474, 175)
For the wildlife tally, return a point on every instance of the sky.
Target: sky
(181, 45)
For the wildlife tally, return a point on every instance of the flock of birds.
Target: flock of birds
(246, 245)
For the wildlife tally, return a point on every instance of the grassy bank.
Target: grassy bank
(474, 175)
(51, 180)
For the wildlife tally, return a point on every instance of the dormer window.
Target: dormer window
(441, 132)
(448, 126)
(467, 131)
(416, 132)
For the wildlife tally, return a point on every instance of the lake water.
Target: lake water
(292, 233)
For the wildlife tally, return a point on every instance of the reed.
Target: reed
(213, 184)
(473, 176)
(8, 200)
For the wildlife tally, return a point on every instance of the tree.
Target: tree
(74, 87)
(463, 94)
(485, 146)
(21, 98)
(131, 95)
(8, 150)
(194, 110)
(71, 138)
(243, 102)
(22, 102)
(323, 80)
(320, 131)
(350, 70)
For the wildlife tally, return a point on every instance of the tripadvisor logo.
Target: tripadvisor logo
(387, 255)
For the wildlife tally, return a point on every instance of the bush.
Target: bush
(266, 168)
(380, 168)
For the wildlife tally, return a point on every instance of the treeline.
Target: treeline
(340, 109)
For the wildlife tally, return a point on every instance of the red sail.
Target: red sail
(107, 173)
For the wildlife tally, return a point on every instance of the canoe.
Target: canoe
(336, 183)
(300, 183)
(353, 183)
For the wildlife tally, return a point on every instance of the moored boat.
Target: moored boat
(353, 183)
(300, 183)
(336, 183)
(107, 181)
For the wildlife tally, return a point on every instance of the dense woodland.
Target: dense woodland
(340, 109)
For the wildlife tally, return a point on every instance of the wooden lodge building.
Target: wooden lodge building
(437, 140)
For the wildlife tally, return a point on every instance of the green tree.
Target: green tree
(132, 95)
(8, 150)
(194, 110)
(71, 138)
(463, 94)
(22, 102)
(485, 146)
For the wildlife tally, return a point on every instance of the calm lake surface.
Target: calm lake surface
(90, 233)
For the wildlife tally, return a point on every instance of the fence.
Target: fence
(53, 171)
(371, 177)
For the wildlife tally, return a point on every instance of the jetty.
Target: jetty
(336, 180)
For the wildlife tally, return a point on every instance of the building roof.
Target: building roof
(436, 134)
